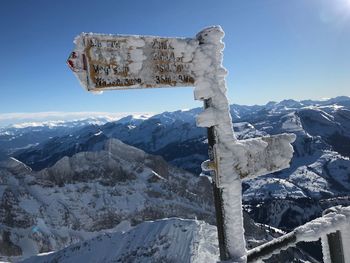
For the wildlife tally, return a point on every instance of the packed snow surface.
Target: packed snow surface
(90, 193)
(168, 240)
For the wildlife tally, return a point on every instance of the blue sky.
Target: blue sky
(275, 49)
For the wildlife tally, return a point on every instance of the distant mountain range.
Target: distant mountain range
(171, 133)
(114, 182)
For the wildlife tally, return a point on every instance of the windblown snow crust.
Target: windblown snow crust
(168, 240)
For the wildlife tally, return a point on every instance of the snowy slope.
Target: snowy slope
(88, 138)
(107, 191)
(318, 171)
(170, 240)
(92, 192)
(171, 135)
(25, 135)
(167, 240)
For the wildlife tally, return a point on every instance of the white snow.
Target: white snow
(210, 83)
(338, 218)
(168, 240)
(165, 240)
(97, 133)
(267, 188)
(84, 206)
(259, 156)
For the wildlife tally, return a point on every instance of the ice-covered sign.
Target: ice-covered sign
(103, 62)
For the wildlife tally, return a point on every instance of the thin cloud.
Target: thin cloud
(38, 118)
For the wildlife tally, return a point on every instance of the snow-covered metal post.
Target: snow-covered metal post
(333, 244)
(230, 159)
(210, 86)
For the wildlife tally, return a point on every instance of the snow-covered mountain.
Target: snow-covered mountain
(169, 240)
(318, 177)
(323, 138)
(105, 196)
(175, 136)
(46, 154)
(171, 135)
(90, 193)
(25, 135)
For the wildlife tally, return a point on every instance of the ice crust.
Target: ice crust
(210, 84)
(259, 156)
(338, 218)
(234, 159)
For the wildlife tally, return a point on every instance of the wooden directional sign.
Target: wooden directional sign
(103, 62)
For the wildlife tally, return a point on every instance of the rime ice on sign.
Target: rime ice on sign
(104, 62)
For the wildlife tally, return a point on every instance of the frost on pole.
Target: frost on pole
(103, 62)
(234, 159)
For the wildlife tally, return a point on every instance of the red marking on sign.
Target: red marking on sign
(70, 64)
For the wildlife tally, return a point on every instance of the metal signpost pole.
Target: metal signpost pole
(332, 245)
(211, 88)
(217, 192)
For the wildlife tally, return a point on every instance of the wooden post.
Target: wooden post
(336, 247)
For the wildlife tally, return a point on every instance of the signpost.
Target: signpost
(105, 62)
